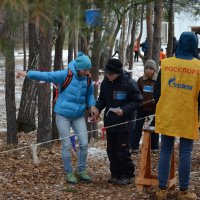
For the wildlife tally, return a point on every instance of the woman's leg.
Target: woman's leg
(63, 125)
(185, 151)
(167, 145)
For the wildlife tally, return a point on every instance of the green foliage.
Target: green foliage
(188, 6)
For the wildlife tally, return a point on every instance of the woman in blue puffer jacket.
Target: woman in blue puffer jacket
(69, 108)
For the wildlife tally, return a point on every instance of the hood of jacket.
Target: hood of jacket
(187, 46)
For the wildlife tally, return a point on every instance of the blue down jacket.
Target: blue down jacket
(72, 101)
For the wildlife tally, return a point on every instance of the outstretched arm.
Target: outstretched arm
(57, 77)
(21, 74)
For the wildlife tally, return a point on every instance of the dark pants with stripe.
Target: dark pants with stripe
(118, 150)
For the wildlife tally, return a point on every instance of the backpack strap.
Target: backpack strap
(89, 80)
(67, 80)
(64, 85)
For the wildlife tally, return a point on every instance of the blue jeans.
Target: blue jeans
(185, 151)
(80, 130)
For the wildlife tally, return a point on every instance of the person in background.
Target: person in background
(175, 45)
(144, 46)
(120, 97)
(177, 90)
(69, 108)
(162, 55)
(146, 84)
(136, 48)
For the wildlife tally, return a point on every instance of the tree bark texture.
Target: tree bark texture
(44, 92)
(8, 50)
(26, 116)
(170, 28)
(58, 65)
(158, 9)
(149, 20)
(133, 36)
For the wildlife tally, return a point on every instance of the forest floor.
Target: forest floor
(21, 179)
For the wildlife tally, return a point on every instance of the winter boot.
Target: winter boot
(124, 180)
(84, 176)
(112, 179)
(186, 195)
(71, 178)
(161, 194)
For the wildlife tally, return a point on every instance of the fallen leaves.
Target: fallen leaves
(20, 179)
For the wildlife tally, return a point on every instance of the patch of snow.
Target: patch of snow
(97, 152)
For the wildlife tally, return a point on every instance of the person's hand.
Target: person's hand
(94, 113)
(119, 112)
(21, 74)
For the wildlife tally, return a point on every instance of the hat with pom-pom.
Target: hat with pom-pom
(82, 62)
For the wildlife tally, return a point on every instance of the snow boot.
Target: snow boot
(186, 195)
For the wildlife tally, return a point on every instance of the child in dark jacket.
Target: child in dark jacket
(120, 96)
(146, 85)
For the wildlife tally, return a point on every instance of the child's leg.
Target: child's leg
(63, 125)
(125, 164)
(80, 129)
(111, 152)
(137, 132)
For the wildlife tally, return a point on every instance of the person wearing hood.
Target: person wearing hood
(69, 108)
(176, 93)
(120, 97)
(146, 84)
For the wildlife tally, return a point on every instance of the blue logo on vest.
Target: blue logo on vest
(172, 83)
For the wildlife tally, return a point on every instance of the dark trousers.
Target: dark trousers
(118, 150)
(136, 56)
(136, 134)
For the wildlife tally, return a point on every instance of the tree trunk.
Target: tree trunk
(133, 30)
(44, 92)
(26, 116)
(10, 92)
(76, 26)
(122, 49)
(113, 38)
(170, 28)
(8, 50)
(95, 73)
(71, 33)
(24, 40)
(58, 65)
(149, 20)
(141, 31)
(158, 8)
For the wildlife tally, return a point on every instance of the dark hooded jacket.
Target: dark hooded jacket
(123, 92)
